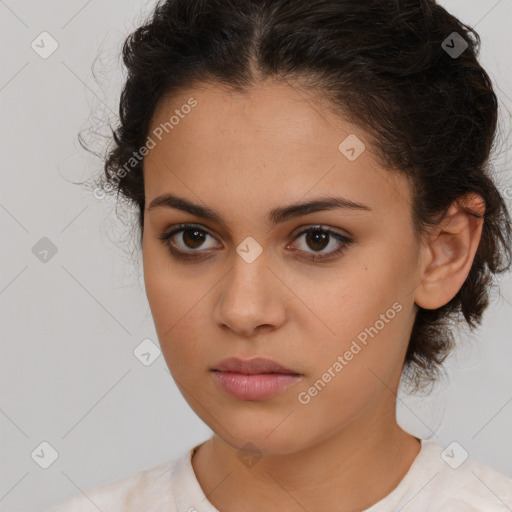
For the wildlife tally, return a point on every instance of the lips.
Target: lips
(253, 379)
(257, 365)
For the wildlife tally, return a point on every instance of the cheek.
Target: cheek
(364, 321)
(165, 289)
(356, 368)
(178, 314)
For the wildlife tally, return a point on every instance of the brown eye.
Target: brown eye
(193, 242)
(193, 238)
(317, 239)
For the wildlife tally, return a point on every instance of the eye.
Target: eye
(319, 238)
(193, 238)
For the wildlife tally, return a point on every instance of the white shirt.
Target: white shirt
(431, 485)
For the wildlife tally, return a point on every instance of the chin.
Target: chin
(257, 439)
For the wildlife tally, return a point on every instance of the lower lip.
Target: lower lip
(255, 387)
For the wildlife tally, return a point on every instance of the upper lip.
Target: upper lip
(251, 366)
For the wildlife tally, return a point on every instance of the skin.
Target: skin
(242, 155)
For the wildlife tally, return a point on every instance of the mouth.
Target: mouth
(254, 379)
(258, 365)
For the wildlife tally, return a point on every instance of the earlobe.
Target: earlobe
(448, 256)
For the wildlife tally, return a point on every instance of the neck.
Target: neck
(350, 470)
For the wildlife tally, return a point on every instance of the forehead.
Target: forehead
(270, 140)
(270, 112)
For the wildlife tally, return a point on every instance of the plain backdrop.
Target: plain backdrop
(72, 301)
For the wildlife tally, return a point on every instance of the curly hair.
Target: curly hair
(383, 65)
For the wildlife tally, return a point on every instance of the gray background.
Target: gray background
(69, 325)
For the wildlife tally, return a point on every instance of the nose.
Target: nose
(251, 298)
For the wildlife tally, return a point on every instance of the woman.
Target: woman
(314, 206)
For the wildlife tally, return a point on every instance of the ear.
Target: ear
(447, 257)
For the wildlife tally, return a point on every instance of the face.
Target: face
(335, 305)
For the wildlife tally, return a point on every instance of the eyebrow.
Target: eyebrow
(274, 216)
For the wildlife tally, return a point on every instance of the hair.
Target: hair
(380, 64)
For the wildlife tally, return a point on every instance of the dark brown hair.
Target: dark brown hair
(382, 64)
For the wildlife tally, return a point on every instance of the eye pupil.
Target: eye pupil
(317, 237)
(196, 239)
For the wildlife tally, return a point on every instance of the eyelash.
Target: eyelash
(180, 255)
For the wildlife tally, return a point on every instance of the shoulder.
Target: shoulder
(150, 490)
(459, 483)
